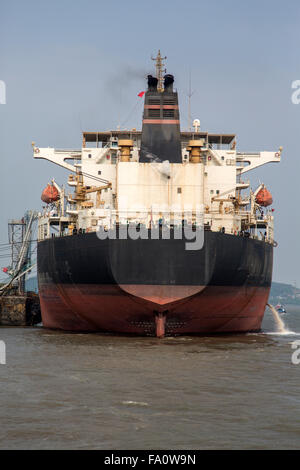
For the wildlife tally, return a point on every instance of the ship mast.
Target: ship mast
(190, 94)
(159, 70)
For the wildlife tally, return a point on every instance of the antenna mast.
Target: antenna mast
(159, 70)
(190, 94)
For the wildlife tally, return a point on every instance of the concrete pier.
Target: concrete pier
(20, 310)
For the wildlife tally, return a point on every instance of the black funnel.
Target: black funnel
(152, 83)
(160, 139)
(168, 82)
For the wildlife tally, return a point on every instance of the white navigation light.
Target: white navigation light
(196, 124)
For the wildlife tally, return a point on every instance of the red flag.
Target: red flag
(141, 94)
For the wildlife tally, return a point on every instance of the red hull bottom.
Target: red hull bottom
(109, 308)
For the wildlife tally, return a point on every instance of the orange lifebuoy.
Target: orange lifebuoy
(36, 150)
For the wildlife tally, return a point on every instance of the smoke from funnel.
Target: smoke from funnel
(122, 80)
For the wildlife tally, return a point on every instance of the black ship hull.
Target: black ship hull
(154, 287)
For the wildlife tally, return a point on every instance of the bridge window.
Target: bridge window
(154, 113)
(168, 113)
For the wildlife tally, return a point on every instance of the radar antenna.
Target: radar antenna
(159, 70)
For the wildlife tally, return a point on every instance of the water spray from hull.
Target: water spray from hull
(279, 322)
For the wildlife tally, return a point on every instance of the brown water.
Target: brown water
(84, 391)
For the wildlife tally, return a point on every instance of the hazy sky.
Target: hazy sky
(78, 65)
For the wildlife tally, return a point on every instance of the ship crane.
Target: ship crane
(82, 190)
(231, 199)
(98, 190)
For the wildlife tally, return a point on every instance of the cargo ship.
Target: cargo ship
(162, 234)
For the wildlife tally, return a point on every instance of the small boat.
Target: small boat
(280, 308)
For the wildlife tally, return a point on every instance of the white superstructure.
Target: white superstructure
(112, 186)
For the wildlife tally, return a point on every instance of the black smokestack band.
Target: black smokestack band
(161, 125)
